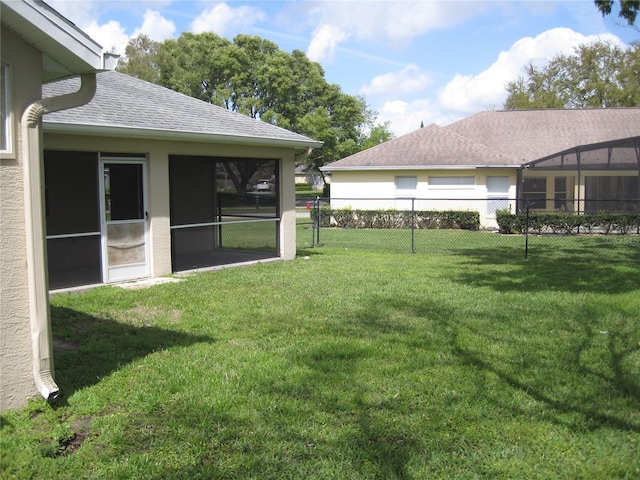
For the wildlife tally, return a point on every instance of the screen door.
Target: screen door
(124, 217)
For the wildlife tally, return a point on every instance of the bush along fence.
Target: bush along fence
(460, 224)
(567, 223)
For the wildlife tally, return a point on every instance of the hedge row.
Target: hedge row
(348, 218)
(569, 223)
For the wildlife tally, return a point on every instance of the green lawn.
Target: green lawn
(348, 364)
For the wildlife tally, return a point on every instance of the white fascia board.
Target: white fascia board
(328, 168)
(175, 135)
(55, 28)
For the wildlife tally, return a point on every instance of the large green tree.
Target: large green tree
(628, 9)
(252, 76)
(596, 75)
(141, 59)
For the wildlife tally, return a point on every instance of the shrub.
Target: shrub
(385, 219)
(303, 187)
(568, 223)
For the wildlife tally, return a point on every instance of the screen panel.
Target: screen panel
(71, 192)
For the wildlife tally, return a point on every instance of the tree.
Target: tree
(252, 76)
(141, 59)
(628, 9)
(595, 76)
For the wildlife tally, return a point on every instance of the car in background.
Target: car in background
(265, 185)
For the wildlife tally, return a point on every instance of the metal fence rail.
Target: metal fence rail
(407, 231)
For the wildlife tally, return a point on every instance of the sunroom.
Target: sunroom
(145, 182)
(585, 179)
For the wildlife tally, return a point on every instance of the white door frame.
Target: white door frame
(130, 271)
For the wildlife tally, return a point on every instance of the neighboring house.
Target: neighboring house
(314, 178)
(135, 181)
(552, 159)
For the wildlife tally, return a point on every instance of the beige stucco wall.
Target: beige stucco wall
(24, 73)
(376, 190)
(158, 152)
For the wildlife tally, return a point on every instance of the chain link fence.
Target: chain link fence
(453, 226)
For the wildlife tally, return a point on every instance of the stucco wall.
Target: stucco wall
(158, 153)
(16, 377)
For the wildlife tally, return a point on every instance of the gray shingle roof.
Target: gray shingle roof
(499, 138)
(129, 106)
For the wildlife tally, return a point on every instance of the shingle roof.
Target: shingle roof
(531, 134)
(430, 146)
(127, 106)
(499, 138)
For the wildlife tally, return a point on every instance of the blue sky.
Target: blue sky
(413, 61)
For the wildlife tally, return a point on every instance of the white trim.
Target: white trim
(329, 168)
(8, 130)
(73, 235)
(119, 273)
(172, 135)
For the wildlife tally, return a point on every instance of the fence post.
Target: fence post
(318, 219)
(413, 225)
(526, 233)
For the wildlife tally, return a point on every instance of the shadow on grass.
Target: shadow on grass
(88, 348)
(592, 268)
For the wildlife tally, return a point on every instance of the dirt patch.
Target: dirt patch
(70, 441)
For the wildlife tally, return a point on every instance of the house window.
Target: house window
(534, 192)
(406, 186)
(563, 193)
(406, 189)
(497, 194)
(452, 181)
(5, 117)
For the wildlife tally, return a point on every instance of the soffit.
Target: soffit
(65, 48)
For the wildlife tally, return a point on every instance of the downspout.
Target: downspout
(33, 167)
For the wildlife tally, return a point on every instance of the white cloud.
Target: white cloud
(408, 80)
(325, 40)
(80, 13)
(224, 20)
(464, 95)
(471, 93)
(155, 26)
(382, 22)
(111, 35)
(405, 117)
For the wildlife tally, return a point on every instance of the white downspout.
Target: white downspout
(33, 167)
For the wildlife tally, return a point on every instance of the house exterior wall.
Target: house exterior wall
(376, 189)
(24, 74)
(158, 152)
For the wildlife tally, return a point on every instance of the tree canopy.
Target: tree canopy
(596, 75)
(252, 76)
(628, 9)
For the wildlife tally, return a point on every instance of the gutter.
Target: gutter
(33, 167)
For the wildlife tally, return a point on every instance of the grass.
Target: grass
(348, 364)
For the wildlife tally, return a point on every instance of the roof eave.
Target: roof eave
(67, 50)
(176, 135)
(328, 168)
